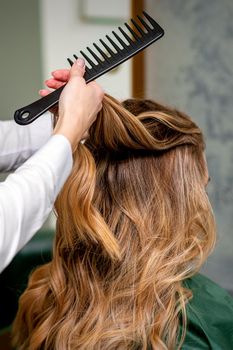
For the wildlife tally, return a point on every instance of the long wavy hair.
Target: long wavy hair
(133, 222)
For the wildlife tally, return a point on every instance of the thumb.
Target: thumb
(78, 68)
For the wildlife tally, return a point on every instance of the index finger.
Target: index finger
(61, 74)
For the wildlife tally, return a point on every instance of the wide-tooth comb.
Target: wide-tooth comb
(136, 38)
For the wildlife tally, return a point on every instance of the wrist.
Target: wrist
(71, 135)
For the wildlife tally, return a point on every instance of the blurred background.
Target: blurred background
(190, 68)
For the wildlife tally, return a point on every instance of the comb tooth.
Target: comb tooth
(138, 27)
(120, 40)
(150, 19)
(94, 55)
(107, 47)
(75, 56)
(144, 23)
(92, 64)
(70, 62)
(113, 44)
(125, 35)
(101, 51)
(87, 70)
(132, 31)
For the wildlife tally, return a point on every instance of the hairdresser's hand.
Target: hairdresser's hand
(59, 78)
(78, 105)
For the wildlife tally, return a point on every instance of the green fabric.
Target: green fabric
(210, 316)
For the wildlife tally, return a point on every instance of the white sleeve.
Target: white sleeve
(27, 196)
(18, 143)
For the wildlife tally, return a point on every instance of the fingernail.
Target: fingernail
(80, 62)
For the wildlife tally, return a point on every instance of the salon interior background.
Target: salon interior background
(191, 68)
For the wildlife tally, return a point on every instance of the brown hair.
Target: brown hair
(133, 222)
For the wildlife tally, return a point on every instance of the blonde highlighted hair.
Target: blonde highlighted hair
(133, 222)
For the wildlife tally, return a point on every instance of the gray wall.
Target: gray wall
(192, 69)
(20, 61)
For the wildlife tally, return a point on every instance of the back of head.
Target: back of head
(133, 222)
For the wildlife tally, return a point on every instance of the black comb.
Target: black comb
(112, 53)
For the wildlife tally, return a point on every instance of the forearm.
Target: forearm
(27, 196)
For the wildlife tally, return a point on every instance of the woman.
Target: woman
(134, 224)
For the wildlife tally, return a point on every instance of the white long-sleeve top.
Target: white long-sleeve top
(18, 143)
(27, 195)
